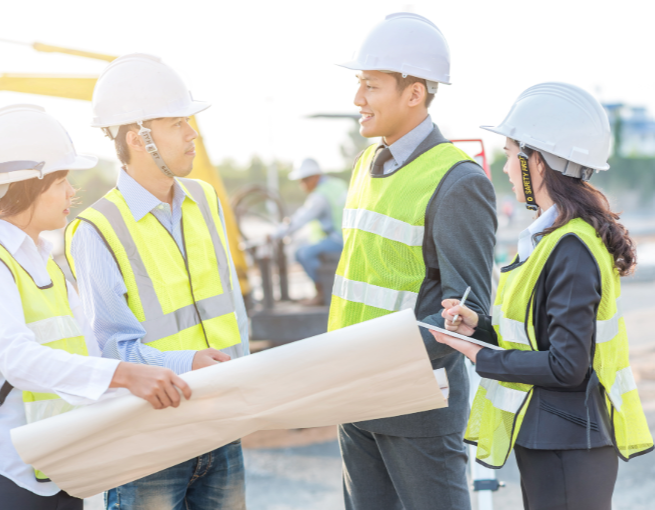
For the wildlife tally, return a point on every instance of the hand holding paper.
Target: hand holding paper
(376, 369)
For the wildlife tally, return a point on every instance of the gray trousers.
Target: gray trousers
(383, 472)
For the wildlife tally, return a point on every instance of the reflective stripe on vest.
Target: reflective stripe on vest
(55, 328)
(48, 315)
(502, 397)
(384, 226)
(381, 267)
(193, 310)
(499, 407)
(514, 331)
(372, 295)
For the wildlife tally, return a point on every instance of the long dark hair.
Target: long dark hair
(22, 195)
(576, 198)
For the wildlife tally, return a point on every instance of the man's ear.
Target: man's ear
(417, 94)
(134, 141)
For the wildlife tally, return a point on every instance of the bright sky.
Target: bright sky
(266, 65)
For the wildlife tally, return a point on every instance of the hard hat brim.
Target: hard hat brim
(535, 146)
(194, 108)
(358, 66)
(83, 162)
(296, 176)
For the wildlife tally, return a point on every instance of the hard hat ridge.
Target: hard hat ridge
(408, 44)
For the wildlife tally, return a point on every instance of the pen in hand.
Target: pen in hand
(466, 294)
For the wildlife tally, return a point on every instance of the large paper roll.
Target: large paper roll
(376, 369)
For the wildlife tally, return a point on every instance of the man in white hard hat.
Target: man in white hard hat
(49, 360)
(322, 211)
(154, 267)
(419, 226)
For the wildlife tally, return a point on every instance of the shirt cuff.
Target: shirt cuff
(179, 362)
(101, 372)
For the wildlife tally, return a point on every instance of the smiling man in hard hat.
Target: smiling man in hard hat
(322, 211)
(419, 226)
(154, 267)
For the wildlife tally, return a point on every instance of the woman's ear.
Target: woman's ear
(538, 163)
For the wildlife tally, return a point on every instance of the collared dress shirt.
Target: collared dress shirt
(103, 289)
(403, 148)
(527, 243)
(29, 366)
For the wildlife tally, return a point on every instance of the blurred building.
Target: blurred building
(634, 130)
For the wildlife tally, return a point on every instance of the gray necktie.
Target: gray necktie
(382, 155)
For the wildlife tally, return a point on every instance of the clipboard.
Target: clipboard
(461, 337)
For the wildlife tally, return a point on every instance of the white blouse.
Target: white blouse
(27, 365)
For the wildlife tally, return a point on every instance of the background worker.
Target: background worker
(49, 359)
(419, 226)
(562, 394)
(154, 266)
(322, 210)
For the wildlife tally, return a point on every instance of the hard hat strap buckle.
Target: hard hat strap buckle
(151, 148)
(528, 190)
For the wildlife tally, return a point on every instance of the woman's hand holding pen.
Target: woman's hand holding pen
(467, 319)
(465, 324)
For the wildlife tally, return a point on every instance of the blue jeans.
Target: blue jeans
(307, 256)
(213, 481)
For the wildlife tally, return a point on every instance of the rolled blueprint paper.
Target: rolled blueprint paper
(376, 369)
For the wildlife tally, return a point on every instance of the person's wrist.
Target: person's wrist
(122, 375)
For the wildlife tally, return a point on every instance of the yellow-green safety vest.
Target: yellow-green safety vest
(334, 190)
(48, 315)
(381, 267)
(183, 303)
(499, 407)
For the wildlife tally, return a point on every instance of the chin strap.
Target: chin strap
(528, 190)
(144, 132)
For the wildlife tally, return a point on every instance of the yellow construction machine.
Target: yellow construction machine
(81, 87)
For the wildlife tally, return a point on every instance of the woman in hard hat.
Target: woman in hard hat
(47, 348)
(561, 393)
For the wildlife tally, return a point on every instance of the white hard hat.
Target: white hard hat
(307, 168)
(405, 43)
(139, 87)
(565, 123)
(35, 144)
